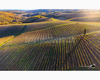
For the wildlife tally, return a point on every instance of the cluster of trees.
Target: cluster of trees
(8, 18)
(33, 19)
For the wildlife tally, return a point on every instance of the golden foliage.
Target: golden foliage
(8, 17)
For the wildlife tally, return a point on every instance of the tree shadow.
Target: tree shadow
(23, 29)
(68, 55)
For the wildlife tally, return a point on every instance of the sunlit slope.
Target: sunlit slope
(36, 18)
(5, 39)
(43, 25)
(70, 53)
(39, 18)
(59, 31)
(90, 17)
(87, 19)
(8, 18)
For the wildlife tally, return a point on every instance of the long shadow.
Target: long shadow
(21, 31)
(68, 55)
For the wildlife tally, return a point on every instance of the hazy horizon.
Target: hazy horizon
(49, 9)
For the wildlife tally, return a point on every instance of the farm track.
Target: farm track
(44, 40)
(40, 41)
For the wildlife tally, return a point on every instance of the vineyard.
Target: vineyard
(55, 32)
(58, 45)
(89, 19)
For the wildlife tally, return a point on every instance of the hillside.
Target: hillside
(36, 34)
(72, 53)
(8, 18)
(50, 40)
(37, 18)
(30, 16)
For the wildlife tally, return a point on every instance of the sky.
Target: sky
(50, 4)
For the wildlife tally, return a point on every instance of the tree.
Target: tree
(84, 31)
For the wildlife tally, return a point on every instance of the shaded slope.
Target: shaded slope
(10, 30)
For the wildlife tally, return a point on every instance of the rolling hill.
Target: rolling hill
(8, 18)
(48, 43)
